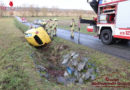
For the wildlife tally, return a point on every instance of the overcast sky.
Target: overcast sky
(64, 4)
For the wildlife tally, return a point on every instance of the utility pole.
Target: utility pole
(79, 27)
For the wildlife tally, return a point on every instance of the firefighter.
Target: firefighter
(79, 27)
(48, 26)
(55, 27)
(44, 23)
(51, 23)
(72, 25)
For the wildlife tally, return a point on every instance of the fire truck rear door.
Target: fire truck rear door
(123, 15)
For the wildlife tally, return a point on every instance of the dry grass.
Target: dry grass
(17, 68)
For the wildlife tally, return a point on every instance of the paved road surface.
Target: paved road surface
(120, 50)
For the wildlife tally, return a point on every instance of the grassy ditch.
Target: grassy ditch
(17, 71)
(51, 56)
(109, 66)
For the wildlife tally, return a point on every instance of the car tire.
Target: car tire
(106, 37)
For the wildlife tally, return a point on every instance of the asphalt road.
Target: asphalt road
(119, 50)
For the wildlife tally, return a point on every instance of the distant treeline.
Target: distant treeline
(31, 11)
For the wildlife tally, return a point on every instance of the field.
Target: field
(64, 23)
(18, 70)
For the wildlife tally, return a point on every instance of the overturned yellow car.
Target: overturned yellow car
(37, 37)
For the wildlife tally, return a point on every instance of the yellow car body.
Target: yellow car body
(37, 37)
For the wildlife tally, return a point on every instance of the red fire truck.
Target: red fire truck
(113, 20)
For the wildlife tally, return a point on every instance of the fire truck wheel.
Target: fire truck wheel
(106, 37)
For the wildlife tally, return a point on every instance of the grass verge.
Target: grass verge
(107, 64)
(18, 70)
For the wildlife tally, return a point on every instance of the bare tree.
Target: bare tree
(24, 10)
(44, 11)
(32, 10)
(37, 11)
(2, 9)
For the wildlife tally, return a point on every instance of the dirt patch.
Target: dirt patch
(51, 61)
(49, 57)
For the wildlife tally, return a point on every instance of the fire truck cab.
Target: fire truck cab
(113, 19)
